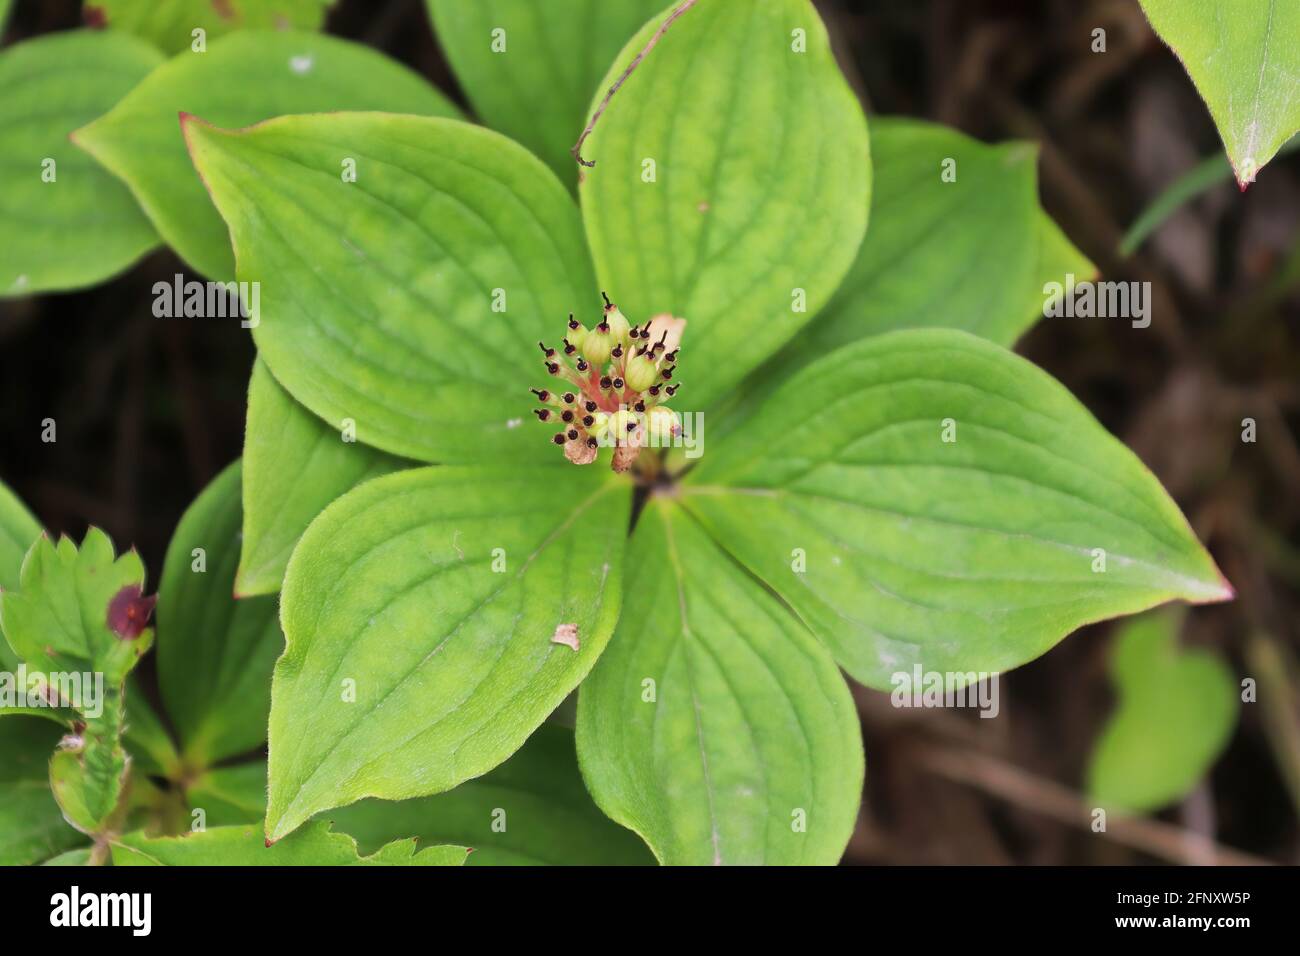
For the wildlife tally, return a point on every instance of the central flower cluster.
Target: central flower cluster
(612, 383)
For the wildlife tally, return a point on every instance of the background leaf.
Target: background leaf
(146, 739)
(294, 465)
(140, 142)
(970, 555)
(1174, 714)
(539, 799)
(399, 587)
(762, 182)
(18, 531)
(379, 293)
(539, 89)
(215, 653)
(77, 857)
(973, 254)
(84, 226)
(315, 845)
(750, 752)
(169, 24)
(230, 795)
(533, 810)
(31, 827)
(1244, 59)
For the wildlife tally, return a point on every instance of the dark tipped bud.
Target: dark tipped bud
(605, 382)
(617, 352)
(573, 434)
(588, 421)
(553, 368)
(668, 372)
(582, 365)
(569, 348)
(653, 390)
(592, 443)
(618, 383)
(543, 414)
(672, 389)
(590, 406)
(569, 398)
(558, 439)
(549, 353)
(541, 393)
(566, 416)
(639, 406)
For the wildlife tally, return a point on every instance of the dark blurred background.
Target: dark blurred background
(149, 410)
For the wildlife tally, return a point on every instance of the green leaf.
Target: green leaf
(170, 24)
(379, 293)
(533, 810)
(82, 226)
(315, 845)
(1175, 713)
(716, 726)
(77, 857)
(1244, 59)
(140, 142)
(145, 737)
(419, 611)
(18, 531)
(535, 81)
(78, 609)
(230, 795)
(294, 465)
(215, 653)
(901, 549)
(31, 827)
(88, 781)
(972, 254)
(762, 181)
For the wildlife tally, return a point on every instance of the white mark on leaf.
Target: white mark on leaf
(566, 634)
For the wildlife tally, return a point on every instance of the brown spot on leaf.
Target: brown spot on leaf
(129, 612)
(223, 9)
(566, 634)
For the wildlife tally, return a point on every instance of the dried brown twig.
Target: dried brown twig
(663, 28)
